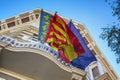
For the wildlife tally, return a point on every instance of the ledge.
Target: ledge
(50, 57)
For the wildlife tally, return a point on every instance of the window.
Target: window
(24, 20)
(95, 72)
(35, 36)
(11, 24)
(37, 15)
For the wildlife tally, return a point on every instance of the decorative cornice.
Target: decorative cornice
(51, 57)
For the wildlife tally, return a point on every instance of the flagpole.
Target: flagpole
(56, 12)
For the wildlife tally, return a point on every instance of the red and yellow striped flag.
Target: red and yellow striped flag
(59, 36)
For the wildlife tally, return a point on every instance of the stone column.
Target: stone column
(3, 25)
(100, 66)
(18, 20)
(31, 16)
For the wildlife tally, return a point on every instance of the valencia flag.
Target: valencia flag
(60, 37)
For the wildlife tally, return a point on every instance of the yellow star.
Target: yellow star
(41, 38)
(43, 33)
(44, 27)
(46, 17)
(46, 23)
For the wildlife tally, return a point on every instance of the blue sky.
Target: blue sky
(95, 14)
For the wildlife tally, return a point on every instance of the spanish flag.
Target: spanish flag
(60, 37)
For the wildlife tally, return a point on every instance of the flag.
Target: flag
(75, 42)
(60, 37)
(43, 26)
(62, 56)
(83, 60)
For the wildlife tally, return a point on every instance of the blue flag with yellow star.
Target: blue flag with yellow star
(43, 26)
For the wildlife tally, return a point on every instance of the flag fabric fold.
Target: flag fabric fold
(83, 60)
(60, 37)
(43, 25)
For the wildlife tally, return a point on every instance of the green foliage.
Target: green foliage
(115, 5)
(112, 33)
(116, 9)
(112, 36)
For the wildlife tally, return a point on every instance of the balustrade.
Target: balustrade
(14, 43)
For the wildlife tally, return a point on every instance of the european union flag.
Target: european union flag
(83, 60)
(43, 26)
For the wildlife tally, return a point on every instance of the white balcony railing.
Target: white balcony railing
(36, 45)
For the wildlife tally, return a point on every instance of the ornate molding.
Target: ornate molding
(51, 57)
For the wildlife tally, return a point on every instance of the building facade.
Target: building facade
(22, 57)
